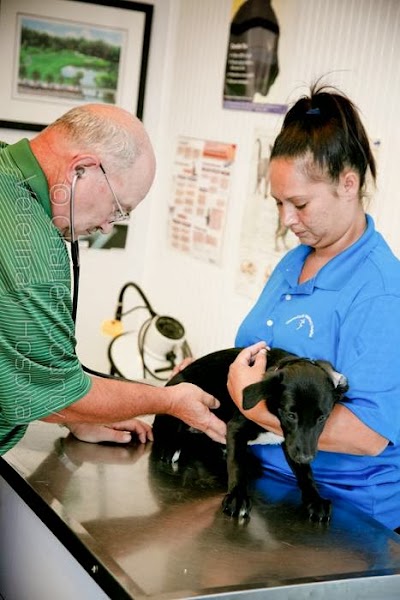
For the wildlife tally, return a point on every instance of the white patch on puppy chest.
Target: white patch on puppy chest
(266, 437)
(176, 456)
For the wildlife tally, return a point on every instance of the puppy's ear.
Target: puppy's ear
(341, 383)
(265, 389)
(339, 380)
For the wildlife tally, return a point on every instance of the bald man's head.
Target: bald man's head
(107, 130)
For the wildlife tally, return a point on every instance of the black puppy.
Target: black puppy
(299, 391)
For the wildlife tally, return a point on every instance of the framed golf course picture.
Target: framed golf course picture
(57, 54)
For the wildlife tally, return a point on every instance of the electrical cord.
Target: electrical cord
(119, 313)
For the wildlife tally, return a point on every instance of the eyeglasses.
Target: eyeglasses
(119, 215)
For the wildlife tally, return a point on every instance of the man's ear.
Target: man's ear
(80, 163)
(266, 389)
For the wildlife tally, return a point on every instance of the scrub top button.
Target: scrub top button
(288, 297)
(270, 322)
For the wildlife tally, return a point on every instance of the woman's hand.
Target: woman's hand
(182, 365)
(248, 367)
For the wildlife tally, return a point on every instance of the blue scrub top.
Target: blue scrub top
(349, 314)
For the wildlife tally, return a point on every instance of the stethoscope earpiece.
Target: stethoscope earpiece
(79, 171)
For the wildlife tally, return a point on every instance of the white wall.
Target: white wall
(104, 272)
(356, 41)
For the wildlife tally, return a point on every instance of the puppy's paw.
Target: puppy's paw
(237, 504)
(319, 510)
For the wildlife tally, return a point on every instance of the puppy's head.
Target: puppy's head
(301, 393)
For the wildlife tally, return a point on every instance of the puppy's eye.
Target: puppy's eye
(291, 416)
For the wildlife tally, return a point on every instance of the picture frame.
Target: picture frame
(108, 38)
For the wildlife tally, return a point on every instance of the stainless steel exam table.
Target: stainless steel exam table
(101, 521)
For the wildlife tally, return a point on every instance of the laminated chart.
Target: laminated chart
(201, 186)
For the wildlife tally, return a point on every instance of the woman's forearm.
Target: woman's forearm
(343, 432)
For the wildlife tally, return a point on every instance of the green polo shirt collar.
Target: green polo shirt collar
(25, 160)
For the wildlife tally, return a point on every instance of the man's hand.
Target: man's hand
(119, 433)
(192, 405)
(118, 454)
(248, 367)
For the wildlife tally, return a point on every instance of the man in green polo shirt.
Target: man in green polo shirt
(40, 375)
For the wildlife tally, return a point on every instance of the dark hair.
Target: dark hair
(327, 125)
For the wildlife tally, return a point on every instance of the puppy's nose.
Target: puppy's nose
(304, 459)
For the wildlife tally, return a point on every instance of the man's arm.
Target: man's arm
(111, 400)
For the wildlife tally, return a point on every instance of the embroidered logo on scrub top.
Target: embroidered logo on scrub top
(303, 321)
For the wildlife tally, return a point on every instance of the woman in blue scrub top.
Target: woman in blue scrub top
(336, 296)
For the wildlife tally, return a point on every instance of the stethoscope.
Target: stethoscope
(74, 244)
(79, 171)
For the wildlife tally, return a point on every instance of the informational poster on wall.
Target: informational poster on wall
(202, 173)
(252, 61)
(263, 240)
